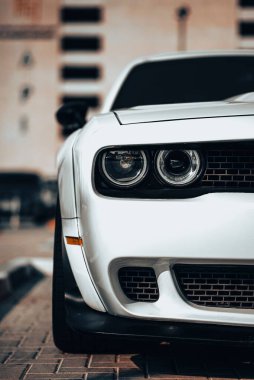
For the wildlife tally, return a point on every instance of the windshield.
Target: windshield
(186, 80)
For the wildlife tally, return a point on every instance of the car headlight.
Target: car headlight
(178, 167)
(124, 167)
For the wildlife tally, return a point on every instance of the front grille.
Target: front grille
(229, 168)
(216, 285)
(139, 283)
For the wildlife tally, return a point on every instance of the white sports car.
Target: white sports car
(154, 226)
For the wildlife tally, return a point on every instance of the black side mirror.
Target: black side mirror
(72, 116)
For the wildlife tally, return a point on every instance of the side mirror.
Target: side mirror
(72, 116)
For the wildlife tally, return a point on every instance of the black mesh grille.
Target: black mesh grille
(229, 168)
(139, 283)
(217, 286)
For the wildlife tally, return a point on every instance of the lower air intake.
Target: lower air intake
(224, 286)
(139, 284)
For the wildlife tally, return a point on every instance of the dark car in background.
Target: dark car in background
(24, 198)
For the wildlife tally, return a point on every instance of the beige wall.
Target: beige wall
(213, 24)
(130, 28)
(28, 133)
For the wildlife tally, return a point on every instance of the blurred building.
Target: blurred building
(29, 85)
(54, 51)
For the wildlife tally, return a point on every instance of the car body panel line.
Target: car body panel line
(80, 268)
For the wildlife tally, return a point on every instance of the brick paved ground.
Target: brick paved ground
(27, 352)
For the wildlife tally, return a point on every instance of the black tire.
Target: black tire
(65, 338)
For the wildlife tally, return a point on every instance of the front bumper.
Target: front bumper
(88, 321)
(210, 229)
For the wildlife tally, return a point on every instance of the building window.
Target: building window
(246, 28)
(80, 73)
(91, 100)
(81, 14)
(25, 92)
(246, 3)
(27, 59)
(81, 43)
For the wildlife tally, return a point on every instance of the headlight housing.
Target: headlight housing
(178, 167)
(124, 168)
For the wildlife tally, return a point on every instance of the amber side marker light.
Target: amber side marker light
(72, 240)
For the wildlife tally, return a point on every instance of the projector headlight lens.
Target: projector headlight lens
(178, 167)
(124, 167)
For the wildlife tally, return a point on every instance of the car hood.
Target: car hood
(147, 114)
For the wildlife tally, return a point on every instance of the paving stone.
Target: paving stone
(74, 362)
(109, 365)
(43, 368)
(51, 351)
(34, 361)
(12, 373)
(104, 358)
(46, 358)
(4, 343)
(85, 370)
(24, 355)
(131, 373)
